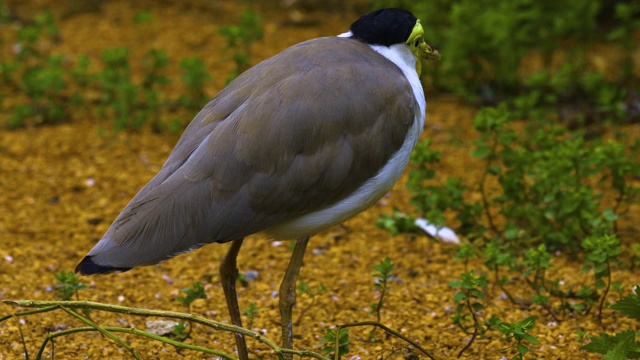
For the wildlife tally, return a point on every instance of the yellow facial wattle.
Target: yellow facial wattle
(420, 48)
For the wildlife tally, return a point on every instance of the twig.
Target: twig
(28, 312)
(387, 329)
(502, 287)
(336, 344)
(485, 201)
(102, 330)
(24, 343)
(473, 337)
(475, 327)
(606, 291)
(134, 331)
(67, 305)
(544, 306)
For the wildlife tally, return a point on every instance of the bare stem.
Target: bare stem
(102, 330)
(70, 306)
(476, 326)
(606, 291)
(45, 306)
(390, 331)
(485, 201)
(133, 331)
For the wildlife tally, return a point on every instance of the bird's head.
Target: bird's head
(394, 26)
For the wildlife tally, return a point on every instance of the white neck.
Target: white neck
(400, 55)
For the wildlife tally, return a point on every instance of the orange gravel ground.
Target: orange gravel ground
(61, 186)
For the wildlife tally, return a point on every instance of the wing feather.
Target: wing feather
(280, 141)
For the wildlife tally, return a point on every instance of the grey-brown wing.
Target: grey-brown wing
(280, 141)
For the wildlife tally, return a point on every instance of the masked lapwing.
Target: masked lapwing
(300, 142)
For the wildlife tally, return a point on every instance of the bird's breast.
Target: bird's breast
(361, 199)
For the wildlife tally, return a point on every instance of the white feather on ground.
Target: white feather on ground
(443, 233)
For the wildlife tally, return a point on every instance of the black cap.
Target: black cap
(384, 27)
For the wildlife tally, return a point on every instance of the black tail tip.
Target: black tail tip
(88, 267)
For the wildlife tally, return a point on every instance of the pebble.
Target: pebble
(251, 275)
(161, 327)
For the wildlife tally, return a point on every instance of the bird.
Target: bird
(300, 142)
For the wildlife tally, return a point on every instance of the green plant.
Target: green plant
(194, 75)
(600, 252)
(580, 333)
(119, 94)
(142, 16)
(43, 84)
(571, 86)
(251, 313)
(155, 62)
(398, 223)
(534, 265)
(68, 285)
(627, 16)
(154, 81)
(497, 255)
(239, 39)
(433, 201)
(38, 74)
(468, 305)
(82, 78)
(546, 177)
(536, 261)
(132, 105)
(4, 12)
(635, 255)
(466, 252)
(621, 164)
(621, 345)
(422, 160)
(382, 275)
(341, 344)
(192, 294)
(518, 331)
(180, 331)
(551, 183)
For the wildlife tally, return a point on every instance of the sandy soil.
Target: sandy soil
(61, 186)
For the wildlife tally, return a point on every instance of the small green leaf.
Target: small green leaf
(459, 297)
(532, 339)
(528, 323)
(629, 306)
(505, 328)
(618, 352)
(477, 307)
(522, 349)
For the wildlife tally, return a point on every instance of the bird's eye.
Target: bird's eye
(415, 44)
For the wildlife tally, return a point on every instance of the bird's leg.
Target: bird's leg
(287, 293)
(228, 276)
